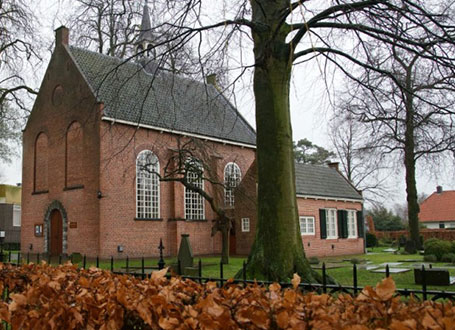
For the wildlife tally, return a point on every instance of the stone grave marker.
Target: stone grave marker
(185, 255)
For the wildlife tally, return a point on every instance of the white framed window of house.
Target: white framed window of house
(232, 177)
(352, 224)
(194, 202)
(331, 220)
(306, 225)
(147, 186)
(245, 225)
(16, 215)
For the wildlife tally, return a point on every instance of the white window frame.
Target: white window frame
(331, 223)
(245, 225)
(16, 215)
(147, 185)
(194, 203)
(232, 178)
(352, 224)
(305, 227)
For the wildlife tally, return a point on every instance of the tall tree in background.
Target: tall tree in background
(308, 153)
(18, 49)
(407, 102)
(362, 165)
(284, 33)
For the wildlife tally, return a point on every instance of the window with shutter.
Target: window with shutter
(322, 224)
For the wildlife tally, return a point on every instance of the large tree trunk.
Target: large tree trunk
(277, 251)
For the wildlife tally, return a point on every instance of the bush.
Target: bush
(438, 248)
(356, 261)
(371, 240)
(448, 257)
(430, 258)
(385, 241)
(313, 260)
(430, 241)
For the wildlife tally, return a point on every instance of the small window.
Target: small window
(352, 224)
(331, 223)
(16, 216)
(246, 225)
(38, 230)
(441, 225)
(307, 225)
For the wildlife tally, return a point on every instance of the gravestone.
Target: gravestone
(185, 255)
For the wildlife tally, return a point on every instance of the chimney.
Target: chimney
(439, 189)
(334, 165)
(61, 36)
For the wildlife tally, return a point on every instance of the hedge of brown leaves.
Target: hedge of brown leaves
(64, 297)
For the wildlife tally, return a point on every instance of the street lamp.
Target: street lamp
(2, 237)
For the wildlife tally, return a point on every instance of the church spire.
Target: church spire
(146, 37)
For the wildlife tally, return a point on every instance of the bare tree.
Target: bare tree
(284, 33)
(360, 163)
(17, 50)
(407, 101)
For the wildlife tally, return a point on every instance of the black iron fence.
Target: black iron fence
(143, 271)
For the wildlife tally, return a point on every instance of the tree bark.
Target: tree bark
(277, 251)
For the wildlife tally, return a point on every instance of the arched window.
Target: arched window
(74, 155)
(194, 202)
(147, 185)
(41, 163)
(232, 177)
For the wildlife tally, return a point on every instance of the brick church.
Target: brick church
(107, 142)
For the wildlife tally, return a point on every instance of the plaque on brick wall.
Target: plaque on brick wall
(73, 224)
(38, 230)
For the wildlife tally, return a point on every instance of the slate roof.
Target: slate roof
(318, 180)
(438, 207)
(162, 100)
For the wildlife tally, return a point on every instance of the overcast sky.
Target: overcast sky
(310, 112)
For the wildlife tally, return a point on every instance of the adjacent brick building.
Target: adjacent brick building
(438, 210)
(103, 132)
(10, 214)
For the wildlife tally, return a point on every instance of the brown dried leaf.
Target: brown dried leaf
(385, 289)
(295, 281)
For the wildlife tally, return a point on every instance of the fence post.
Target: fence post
(9, 256)
(244, 273)
(179, 267)
(324, 279)
(424, 283)
(97, 262)
(19, 260)
(37, 258)
(49, 258)
(200, 271)
(387, 270)
(112, 264)
(161, 262)
(59, 259)
(127, 265)
(28, 258)
(71, 258)
(221, 274)
(85, 261)
(354, 271)
(143, 268)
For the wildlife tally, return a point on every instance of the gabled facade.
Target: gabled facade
(104, 133)
(438, 210)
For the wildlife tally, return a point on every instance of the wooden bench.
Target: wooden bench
(434, 276)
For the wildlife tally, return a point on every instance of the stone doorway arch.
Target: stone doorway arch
(55, 206)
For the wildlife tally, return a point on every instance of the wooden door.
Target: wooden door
(56, 234)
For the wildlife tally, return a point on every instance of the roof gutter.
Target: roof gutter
(336, 199)
(168, 130)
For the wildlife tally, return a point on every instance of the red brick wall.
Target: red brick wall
(119, 148)
(313, 244)
(444, 234)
